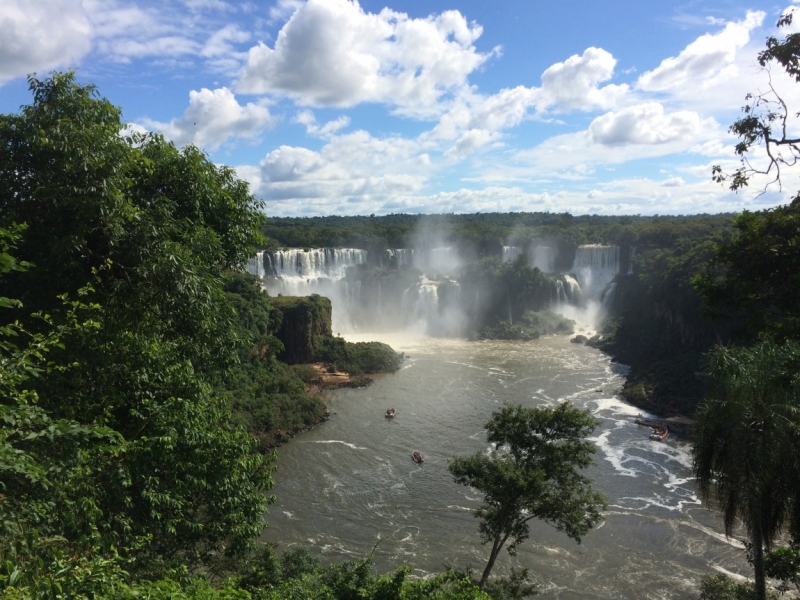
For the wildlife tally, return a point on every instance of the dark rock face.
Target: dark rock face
(305, 318)
(579, 339)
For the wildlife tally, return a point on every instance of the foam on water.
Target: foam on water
(353, 446)
(656, 535)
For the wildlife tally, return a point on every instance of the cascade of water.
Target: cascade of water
(607, 298)
(352, 292)
(595, 266)
(630, 260)
(510, 253)
(573, 288)
(561, 296)
(402, 257)
(568, 290)
(420, 302)
(298, 272)
(315, 263)
(255, 265)
(543, 258)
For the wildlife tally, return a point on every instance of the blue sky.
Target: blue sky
(340, 107)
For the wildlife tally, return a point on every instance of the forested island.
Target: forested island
(145, 376)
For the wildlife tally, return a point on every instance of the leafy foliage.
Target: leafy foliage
(529, 327)
(756, 275)
(722, 587)
(783, 564)
(745, 449)
(50, 542)
(154, 471)
(267, 397)
(507, 291)
(356, 358)
(660, 325)
(533, 473)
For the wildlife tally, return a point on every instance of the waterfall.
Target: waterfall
(352, 292)
(315, 263)
(510, 253)
(595, 266)
(573, 288)
(403, 257)
(630, 260)
(420, 302)
(607, 297)
(543, 258)
(255, 265)
(561, 296)
(568, 290)
(298, 272)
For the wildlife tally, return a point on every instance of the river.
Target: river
(345, 484)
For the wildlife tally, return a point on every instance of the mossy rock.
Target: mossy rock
(304, 320)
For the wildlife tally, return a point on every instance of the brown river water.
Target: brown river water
(350, 481)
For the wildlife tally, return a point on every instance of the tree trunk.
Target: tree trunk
(758, 564)
(497, 545)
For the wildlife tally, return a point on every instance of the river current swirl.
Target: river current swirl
(345, 484)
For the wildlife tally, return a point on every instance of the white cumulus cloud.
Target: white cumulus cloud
(349, 169)
(213, 117)
(41, 35)
(575, 83)
(709, 57)
(474, 120)
(307, 118)
(644, 124)
(333, 53)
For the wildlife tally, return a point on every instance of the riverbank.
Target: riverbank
(325, 378)
(329, 378)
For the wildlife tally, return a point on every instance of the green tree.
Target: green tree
(767, 119)
(745, 444)
(755, 277)
(722, 587)
(758, 275)
(532, 473)
(156, 230)
(783, 564)
(49, 538)
(266, 395)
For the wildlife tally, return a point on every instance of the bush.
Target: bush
(357, 358)
(305, 373)
(722, 587)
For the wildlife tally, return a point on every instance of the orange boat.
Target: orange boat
(417, 457)
(659, 434)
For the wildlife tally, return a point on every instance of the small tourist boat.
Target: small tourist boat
(417, 457)
(391, 413)
(659, 434)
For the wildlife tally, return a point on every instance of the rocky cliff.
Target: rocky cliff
(304, 320)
